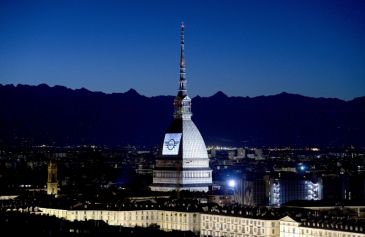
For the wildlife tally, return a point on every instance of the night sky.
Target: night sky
(243, 48)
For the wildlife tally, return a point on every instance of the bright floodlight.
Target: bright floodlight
(231, 183)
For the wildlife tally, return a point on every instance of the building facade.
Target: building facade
(52, 182)
(252, 190)
(210, 224)
(167, 220)
(183, 162)
(292, 228)
(220, 225)
(285, 189)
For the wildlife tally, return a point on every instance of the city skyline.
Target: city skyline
(256, 48)
(263, 138)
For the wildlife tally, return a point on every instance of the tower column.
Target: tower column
(183, 162)
(52, 182)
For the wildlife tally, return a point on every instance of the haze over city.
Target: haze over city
(243, 48)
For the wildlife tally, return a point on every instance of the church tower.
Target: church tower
(52, 184)
(183, 162)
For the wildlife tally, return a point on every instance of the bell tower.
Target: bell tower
(52, 183)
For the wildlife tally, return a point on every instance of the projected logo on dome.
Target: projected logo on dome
(171, 144)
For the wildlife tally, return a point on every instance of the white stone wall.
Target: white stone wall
(167, 220)
(182, 177)
(313, 232)
(291, 228)
(52, 188)
(195, 163)
(218, 225)
(203, 223)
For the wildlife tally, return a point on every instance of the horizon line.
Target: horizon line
(219, 92)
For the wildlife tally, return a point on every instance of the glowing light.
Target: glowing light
(231, 183)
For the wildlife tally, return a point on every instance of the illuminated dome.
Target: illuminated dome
(193, 144)
(183, 162)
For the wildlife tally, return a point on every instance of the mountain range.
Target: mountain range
(57, 115)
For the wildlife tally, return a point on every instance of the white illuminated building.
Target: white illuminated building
(211, 224)
(283, 190)
(183, 162)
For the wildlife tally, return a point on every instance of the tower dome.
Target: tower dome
(183, 162)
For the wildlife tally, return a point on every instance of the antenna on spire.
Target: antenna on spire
(182, 102)
(182, 56)
(182, 83)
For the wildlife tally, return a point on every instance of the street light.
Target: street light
(231, 183)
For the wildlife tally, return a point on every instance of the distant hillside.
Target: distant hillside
(61, 116)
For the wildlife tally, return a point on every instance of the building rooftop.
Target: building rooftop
(307, 218)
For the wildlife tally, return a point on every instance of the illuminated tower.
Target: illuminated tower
(52, 184)
(183, 162)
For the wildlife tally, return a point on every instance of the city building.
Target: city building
(52, 182)
(183, 162)
(276, 189)
(252, 189)
(290, 187)
(215, 223)
(227, 225)
(292, 228)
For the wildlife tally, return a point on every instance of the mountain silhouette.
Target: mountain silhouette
(33, 115)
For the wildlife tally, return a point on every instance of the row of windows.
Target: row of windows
(326, 233)
(219, 224)
(197, 174)
(131, 215)
(210, 233)
(234, 228)
(166, 174)
(193, 174)
(235, 220)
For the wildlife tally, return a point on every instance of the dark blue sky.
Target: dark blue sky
(243, 48)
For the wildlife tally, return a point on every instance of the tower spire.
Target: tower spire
(182, 83)
(182, 102)
(183, 162)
